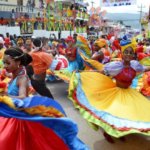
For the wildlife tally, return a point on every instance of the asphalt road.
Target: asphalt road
(94, 139)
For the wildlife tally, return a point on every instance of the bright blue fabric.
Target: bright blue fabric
(72, 66)
(65, 128)
(12, 88)
(134, 83)
(50, 77)
(125, 41)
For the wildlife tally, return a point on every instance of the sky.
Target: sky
(122, 9)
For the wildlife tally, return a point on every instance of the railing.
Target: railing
(20, 8)
(79, 14)
(81, 29)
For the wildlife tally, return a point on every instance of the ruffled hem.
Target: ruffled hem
(64, 75)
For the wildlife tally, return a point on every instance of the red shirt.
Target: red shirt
(71, 52)
(126, 79)
(3, 22)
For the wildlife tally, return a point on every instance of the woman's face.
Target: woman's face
(1, 45)
(20, 44)
(28, 46)
(96, 47)
(6, 44)
(128, 54)
(53, 46)
(70, 43)
(10, 64)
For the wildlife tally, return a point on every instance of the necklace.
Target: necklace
(127, 75)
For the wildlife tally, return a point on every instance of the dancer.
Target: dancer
(115, 107)
(31, 123)
(41, 62)
(20, 43)
(71, 54)
(7, 43)
(27, 46)
(14, 59)
(99, 48)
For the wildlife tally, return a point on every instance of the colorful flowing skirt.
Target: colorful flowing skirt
(118, 111)
(36, 123)
(67, 72)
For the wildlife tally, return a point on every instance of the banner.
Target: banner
(114, 3)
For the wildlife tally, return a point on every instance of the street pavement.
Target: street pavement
(94, 139)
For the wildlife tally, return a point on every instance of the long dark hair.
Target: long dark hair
(18, 55)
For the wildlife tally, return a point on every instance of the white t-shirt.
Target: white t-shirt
(147, 50)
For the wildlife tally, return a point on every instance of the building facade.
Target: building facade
(37, 3)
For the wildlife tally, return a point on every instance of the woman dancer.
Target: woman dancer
(33, 123)
(99, 51)
(71, 54)
(41, 62)
(20, 43)
(115, 107)
(27, 46)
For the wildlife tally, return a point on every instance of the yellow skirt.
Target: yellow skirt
(118, 111)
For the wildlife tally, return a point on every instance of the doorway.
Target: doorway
(19, 2)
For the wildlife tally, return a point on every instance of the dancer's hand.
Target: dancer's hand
(81, 48)
(77, 70)
(3, 93)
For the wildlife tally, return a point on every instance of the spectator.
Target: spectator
(38, 16)
(12, 42)
(62, 44)
(33, 5)
(3, 21)
(7, 35)
(12, 17)
(26, 16)
(15, 39)
(21, 17)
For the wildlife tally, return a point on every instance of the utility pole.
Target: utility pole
(92, 3)
(141, 11)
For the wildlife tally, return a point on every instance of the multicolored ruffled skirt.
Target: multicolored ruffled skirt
(36, 123)
(118, 111)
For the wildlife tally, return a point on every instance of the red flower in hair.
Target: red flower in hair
(116, 43)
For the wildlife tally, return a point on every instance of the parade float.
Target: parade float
(73, 11)
(146, 22)
(63, 20)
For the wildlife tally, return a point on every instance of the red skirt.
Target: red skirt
(16, 134)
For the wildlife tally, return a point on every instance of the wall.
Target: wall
(36, 3)
(13, 2)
